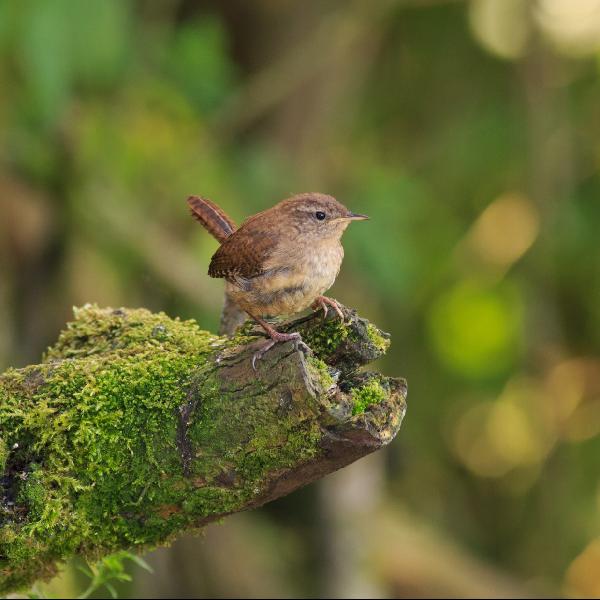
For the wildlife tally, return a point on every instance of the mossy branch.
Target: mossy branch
(137, 427)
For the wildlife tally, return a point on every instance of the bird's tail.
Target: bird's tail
(211, 217)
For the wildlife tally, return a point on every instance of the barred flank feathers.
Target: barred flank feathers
(212, 218)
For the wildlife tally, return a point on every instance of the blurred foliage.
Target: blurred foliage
(95, 579)
(469, 131)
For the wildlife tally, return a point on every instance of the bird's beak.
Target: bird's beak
(354, 217)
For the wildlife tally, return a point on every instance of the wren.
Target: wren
(280, 261)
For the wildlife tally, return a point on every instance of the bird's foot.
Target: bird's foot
(277, 337)
(324, 302)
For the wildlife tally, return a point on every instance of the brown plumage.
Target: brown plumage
(211, 217)
(282, 260)
(246, 253)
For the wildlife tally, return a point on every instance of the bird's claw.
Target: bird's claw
(303, 347)
(324, 302)
(295, 337)
(261, 352)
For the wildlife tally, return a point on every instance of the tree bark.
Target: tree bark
(137, 427)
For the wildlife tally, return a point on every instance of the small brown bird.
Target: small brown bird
(280, 261)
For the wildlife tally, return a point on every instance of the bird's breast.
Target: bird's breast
(292, 280)
(323, 264)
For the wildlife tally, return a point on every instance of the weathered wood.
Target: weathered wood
(137, 427)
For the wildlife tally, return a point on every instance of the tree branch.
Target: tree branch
(137, 427)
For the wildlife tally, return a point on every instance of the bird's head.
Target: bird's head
(317, 216)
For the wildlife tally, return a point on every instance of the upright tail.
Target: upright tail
(212, 218)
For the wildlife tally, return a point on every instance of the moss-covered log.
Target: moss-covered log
(137, 427)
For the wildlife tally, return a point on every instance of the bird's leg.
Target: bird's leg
(276, 337)
(323, 302)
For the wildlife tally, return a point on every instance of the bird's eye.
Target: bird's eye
(320, 215)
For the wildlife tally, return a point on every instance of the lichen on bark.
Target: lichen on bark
(137, 427)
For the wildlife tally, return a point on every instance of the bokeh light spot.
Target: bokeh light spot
(493, 438)
(583, 576)
(500, 26)
(573, 26)
(475, 330)
(505, 230)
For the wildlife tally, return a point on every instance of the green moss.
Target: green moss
(382, 344)
(272, 441)
(97, 331)
(32, 493)
(367, 395)
(320, 372)
(99, 465)
(100, 458)
(3, 456)
(324, 337)
(95, 432)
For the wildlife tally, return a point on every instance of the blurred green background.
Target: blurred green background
(468, 131)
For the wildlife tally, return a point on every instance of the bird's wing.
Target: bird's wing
(244, 254)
